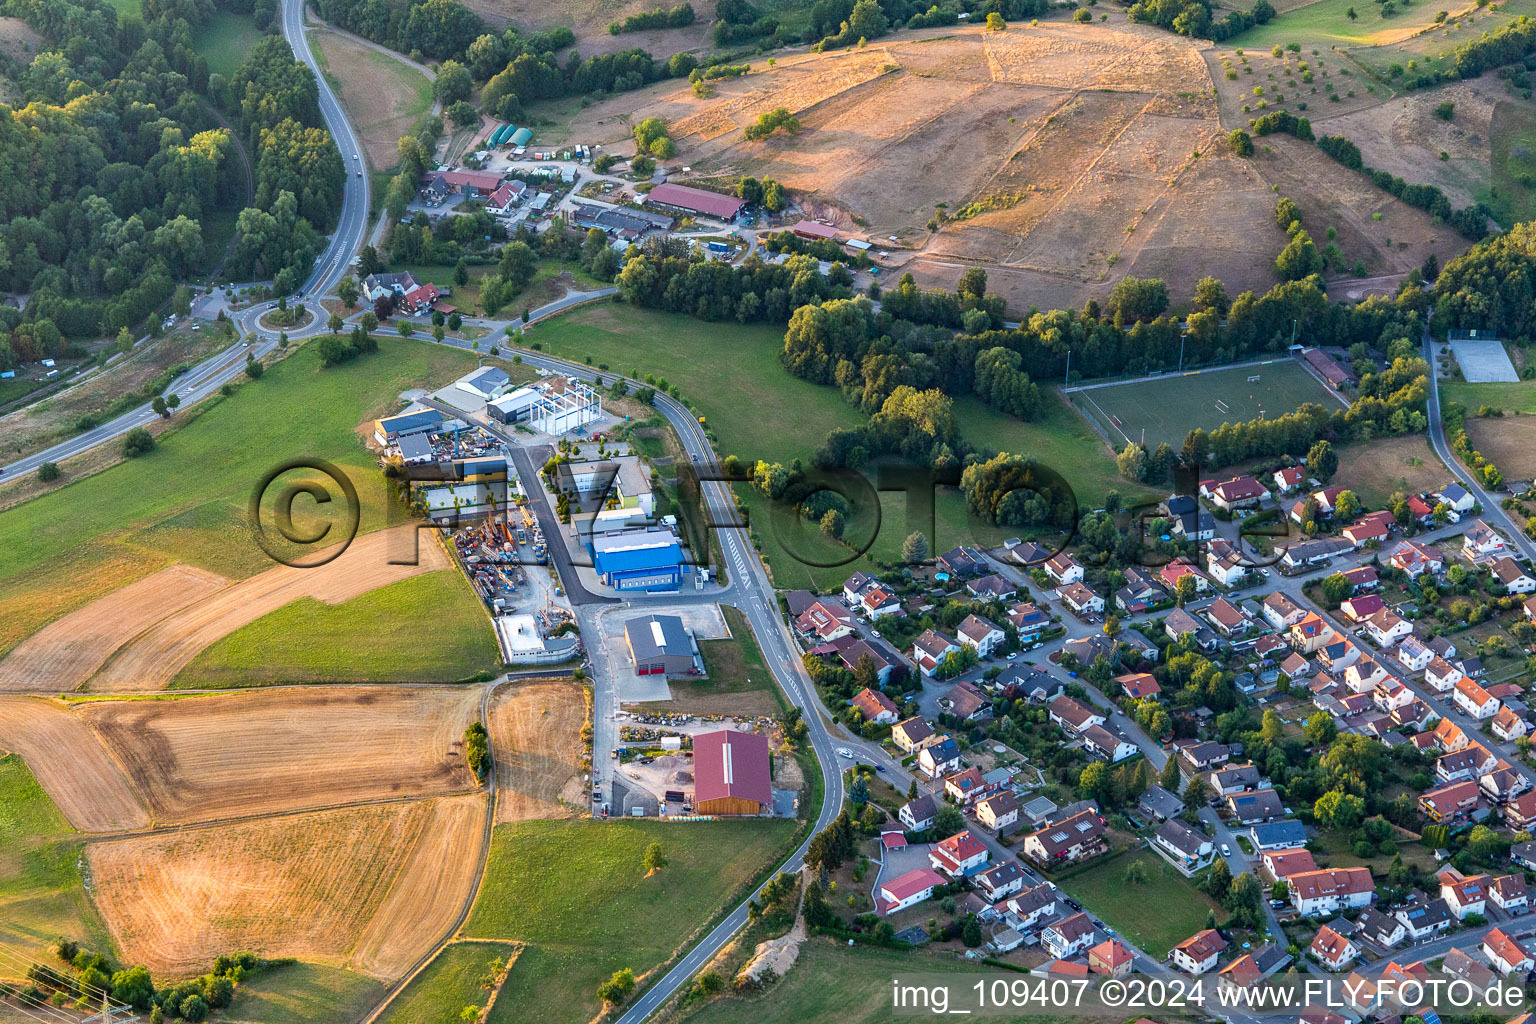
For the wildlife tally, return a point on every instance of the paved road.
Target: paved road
(333, 262)
(1492, 510)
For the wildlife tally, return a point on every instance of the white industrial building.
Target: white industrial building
(554, 405)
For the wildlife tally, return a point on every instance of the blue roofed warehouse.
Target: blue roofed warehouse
(638, 559)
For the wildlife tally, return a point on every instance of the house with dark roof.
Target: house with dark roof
(999, 881)
(913, 735)
(917, 813)
(1183, 847)
(1252, 808)
(939, 759)
(1076, 838)
(1423, 916)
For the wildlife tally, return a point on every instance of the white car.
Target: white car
(1226, 851)
(845, 752)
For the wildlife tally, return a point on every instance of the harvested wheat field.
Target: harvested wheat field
(1508, 441)
(249, 753)
(153, 658)
(310, 886)
(71, 764)
(384, 97)
(536, 732)
(68, 651)
(435, 883)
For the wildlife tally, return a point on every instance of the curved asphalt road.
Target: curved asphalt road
(211, 374)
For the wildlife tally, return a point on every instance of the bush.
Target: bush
(48, 472)
(138, 441)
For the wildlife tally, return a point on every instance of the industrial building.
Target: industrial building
(638, 559)
(695, 200)
(623, 222)
(732, 774)
(553, 405)
(619, 483)
(661, 646)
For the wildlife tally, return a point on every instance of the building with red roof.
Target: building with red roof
(731, 773)
(695, 200)
(907, 890)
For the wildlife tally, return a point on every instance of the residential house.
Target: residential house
(1505, 954)
(1064, 569)
(1387, 627)
(979, 634)
(1313, 552)
(917, 813)
(998, 811)
(1331, 890)
(1370, 529)
(1520, 813)
(1513, 577)
(1510, 893)
(1360, 608)
(1507, 725)
(1337, 654)
(1364, 674)
(1024, 911)
(1282, 612)
(939, 759)
(1159, 804)
(1326, 498)
(1502, 784)
(1176, 570)
(930, 649)
(1481, 541)
(1277, 835)
(1181, 623)
(1073, 715)
(878, 602)
(1259, 806)
(1238, 492)
(1458, 964)
(825, 621)
(1030, 622)
(1420, 510)
(1332, 950)
(889, 668)
(1414, 655)
(1139, 685)
(992, 587)
(1449, 802)
(1440, 675)
(1069, 936)
(907, 890)
(1225, 563)
(1184, 847)
(1466, 895)
(1416, 559)
(1228, 620)
(1104, 744)
(1364, 577)
(965, 787)
(1458, 498)
(1378, 929)
(1529, 607)
(1140, 592)
(1280, 865)
(1074, 838)
(1237, 778)
(1290, 479)
(1198, 953)
(1111, 959)
(1242, 973)
(1469, 762)
(874, 706)
(1080, 599)
(999, 881)
(966, 702)
(1311, 633)
(1423, 916)
(1390, 694)
(963, 562)
(960, 855)
(1475, 700)
(1295, 667)
(856, 585)
(913, 735)
(1203, 755)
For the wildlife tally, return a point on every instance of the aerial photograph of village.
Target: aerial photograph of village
(809, 511)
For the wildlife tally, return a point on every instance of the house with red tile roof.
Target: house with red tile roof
(959, 855)
(1111, 959)
(1449, 802)
(875, 706)
(1331, 890)
(1331, 949)
(1139, 685)
(1198, 953)
(1505, 954)
(907, 890)
(1282, 864)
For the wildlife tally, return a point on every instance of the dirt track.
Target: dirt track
(308, 887)
(536, 729)
(71, 764)
(66, 652)
(154, 657)
(204, 758)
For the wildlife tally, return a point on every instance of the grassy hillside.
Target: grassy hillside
(187, 500)
(575, 891)
(311, 641)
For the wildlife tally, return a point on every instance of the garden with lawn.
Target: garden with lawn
(1144, 898)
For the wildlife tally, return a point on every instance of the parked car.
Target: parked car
(1226, 851)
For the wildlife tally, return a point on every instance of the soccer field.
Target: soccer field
(1169, 407)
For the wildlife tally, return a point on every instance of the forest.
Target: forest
(118, 158)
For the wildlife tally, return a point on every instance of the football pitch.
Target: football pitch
(1169, 407)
